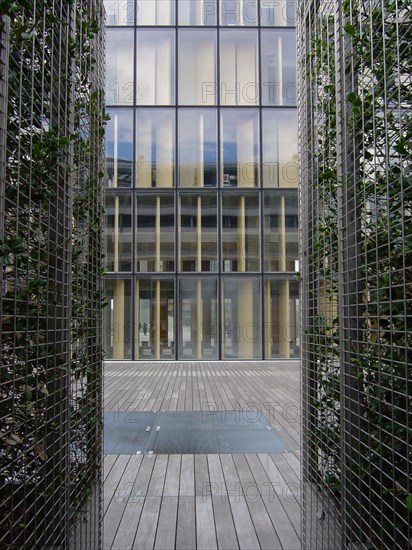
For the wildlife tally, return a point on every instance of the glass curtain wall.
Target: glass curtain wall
(201, 180)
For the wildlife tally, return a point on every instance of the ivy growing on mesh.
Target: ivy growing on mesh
(52, 106)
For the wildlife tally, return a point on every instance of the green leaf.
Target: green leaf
(408, 502)
(350, 29)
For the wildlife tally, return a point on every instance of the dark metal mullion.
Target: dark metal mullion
(134, 297)
(219, 313)
(176, 187)
(261, 197)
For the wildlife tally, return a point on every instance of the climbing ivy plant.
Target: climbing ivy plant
(323, 334)
(380, 34)
(377, 120)
(51, 223)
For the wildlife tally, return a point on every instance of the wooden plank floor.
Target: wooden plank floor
(245, 501)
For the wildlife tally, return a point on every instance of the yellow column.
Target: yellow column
(245, 150)
(199, 234)
(199, 315)
(284, 310)
(284, 320)
(157, 319)
(282, 234)
(115, 150)
(222, 316)
(144, 161)
(163, 67)
(164, 155)
(293, 323)
(118, 319)
(137, 321)
(158, 234)
(245, 319)
(242, 235)
(179, 234)
(247, 71)
(205, 64)
(116, 199)
(116, 232)
(199, 170)
(268, 321)
(279, 91)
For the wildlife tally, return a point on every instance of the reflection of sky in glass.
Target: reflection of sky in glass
(198, 142)
(197, 12)
(119, 12)
(124, 136)
(234, 12)
(119, 66)
(155, 67)
(280, 128)
(231, 121)
(278, 67)
(155, 12)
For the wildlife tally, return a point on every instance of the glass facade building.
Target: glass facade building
(201, 180)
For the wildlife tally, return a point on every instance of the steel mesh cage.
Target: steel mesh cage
(355, 141)
(50, 387)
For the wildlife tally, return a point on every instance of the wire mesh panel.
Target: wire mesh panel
(50, 386)
(355, 135)
(319, 234)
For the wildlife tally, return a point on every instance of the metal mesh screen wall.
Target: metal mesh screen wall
(51, 210)
(355, 141)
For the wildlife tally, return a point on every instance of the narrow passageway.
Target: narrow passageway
(202, 455)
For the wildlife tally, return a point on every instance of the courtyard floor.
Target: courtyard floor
(201, 499)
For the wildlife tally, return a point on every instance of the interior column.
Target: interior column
(118, 319)
(137, 322)
(199, 317)
(241, 255)
(164, 154)
(246, 175)
(284, 310)
(268, 322)
(157, 319)
(246, 330)
(145, 161)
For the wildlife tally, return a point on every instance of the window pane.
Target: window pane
(278, 68)
(240, 232)
(119, 12)
(239, 13)
(117, 319)
(242, 323)
(155, 12)
(198, 318)
(197, 12)
(118, 231)
(282, 313)
(198, 232)
(155, 147)
(119, 148)
(119, 67)
(155, 319)
(240, 148)
(197, 148)
(280, 148)
(155, 232)
(281, 231)
(239, 68)
(197, 67)
(277, 13)
(155, 67)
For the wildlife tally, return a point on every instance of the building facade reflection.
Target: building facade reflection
(201, 180)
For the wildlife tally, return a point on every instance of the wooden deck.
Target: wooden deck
(245, 501)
